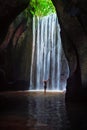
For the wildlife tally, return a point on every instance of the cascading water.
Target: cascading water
(46, 53)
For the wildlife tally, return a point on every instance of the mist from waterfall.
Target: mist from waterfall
(46, 53)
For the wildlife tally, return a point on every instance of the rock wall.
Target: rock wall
(16, 51)
(72, 15)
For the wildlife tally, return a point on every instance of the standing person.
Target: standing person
(45, 85)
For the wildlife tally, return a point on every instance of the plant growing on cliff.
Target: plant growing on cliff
(40, 8)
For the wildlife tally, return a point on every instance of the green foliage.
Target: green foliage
(40, 8)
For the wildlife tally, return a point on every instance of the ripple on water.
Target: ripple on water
(33, 111)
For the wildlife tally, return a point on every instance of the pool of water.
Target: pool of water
(40, 111)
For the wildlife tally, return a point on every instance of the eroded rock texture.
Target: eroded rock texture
(9, 9)
(73, 16)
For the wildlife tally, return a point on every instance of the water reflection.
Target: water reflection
(39, 111)
(49, 110)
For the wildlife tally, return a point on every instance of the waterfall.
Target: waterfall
(46, 53)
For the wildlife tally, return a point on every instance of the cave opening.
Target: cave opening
(48, 60)
(34, 52)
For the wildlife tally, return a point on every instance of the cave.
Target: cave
(21, 68)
